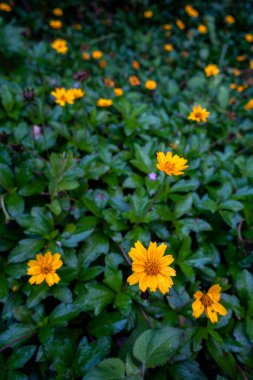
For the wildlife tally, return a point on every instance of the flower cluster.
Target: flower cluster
(63, 96)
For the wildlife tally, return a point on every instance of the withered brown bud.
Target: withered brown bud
(81, 76)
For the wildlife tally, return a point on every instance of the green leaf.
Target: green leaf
(96, 298)
(223, 96)
(108, 369)
(106, 324)
(231, 205)
(187, 370)
(6, 177)
(15, 205)
(20, 356)
(96, 245)
(63, 313)
(225, 360)
(142, 160)
(153, 347)
(183, 206)
(25, 250)
(244, 284)
(4, 287)
(16, 333)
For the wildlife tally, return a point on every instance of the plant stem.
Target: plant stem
(8, 218)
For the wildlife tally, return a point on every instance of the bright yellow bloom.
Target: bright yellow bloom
(249, 105)
(135, 65)
(118, 91)
(86, 56)
(104, 102)
(202, 29)
(151, 268)
(211, 70)
(180, 24)
(192, 12)
(76, 93)
(249, 37)
(241, 58)
(233, 86)
(150, 84)
(168, 47)
(167, 27)
(63, 96)
(57, 12)
(241, 88)
(44, 268)
(229, 19)
(198, 114)
(148, 14)
(208, 303)
(236, 72)
(55, 24)
(251, 64)
(60, 46)
(134, 80)
(171, 165)
(5, 7)
(97, 54)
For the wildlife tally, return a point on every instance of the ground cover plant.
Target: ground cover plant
(126, 175)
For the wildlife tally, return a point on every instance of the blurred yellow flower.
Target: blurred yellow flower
(192, 12)
(151, 268)
(251, 64)
(168, 47)
(104, 102)
(202, 29)
(102, 63)
(57, 12)
(118, 91)
(211, 70)
(5, 7)
(135, 65)
(150, 84)
(208, 303)
(171, 165)
(76, 93)
(233, 86)
(108, 82)
(249, 37)
(148, 14)
(134, 80)
(241, 88)
(55, 24)
(60, 46)
(44, 269)
(167, 27)
(241, 58)
(180, 24)
(236, 72)
(97, 54)
(198, 114)
(249, 105)
(62, 96)
(86, 56)
(229, 19)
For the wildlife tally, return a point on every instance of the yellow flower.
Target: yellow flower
(208, 303)
(192, 12)
(233, 86)
(198, 114)
(251, 64)
(202, 29)
(171, 165)
(108, 82)
(150, 85)
(135, 65)
(55, 24)
(134, 80)
(211, 70)
(57, 12)
(63, 96)
(118, 91)
(86, 56)
(75, 93)
(60, 46)
(148, 14)
(167, 27)
(104, 102)
(151, 268)
(44, 268)
(5, 7)
(168, 47)
(249, 105)
(241, 88)
(97, 54)
(180, 24)
(229, 19)
(241, 58)
(249, 37)
(236, 72)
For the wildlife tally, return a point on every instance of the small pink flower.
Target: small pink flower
(36, 132)
(152, 176)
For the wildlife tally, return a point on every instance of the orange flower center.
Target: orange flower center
(198, 115)
(206, 301)
(152, 267)
(47, 269)
(170, 167)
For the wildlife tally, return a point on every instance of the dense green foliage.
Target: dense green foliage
(81, 187)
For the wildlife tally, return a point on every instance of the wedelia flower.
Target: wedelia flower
(208, 303)
(249, 37)
(5, 7)
(134, 80)
(97, 54)
(192, 12)
(229, 19)
(118, 91)
(55, 24)
(180, 24)
(57, 12)
(86, 56)
(151, 268)
(171, 165)
(148, 14)
(60, 46)
(211, 70)
(44, 268)
(198, 114)
(249, 105)
(104, 102)
(202, 29)
(63, 96)
(108, 82)
(236, 72)
(167, 27)
(135, 65)
(168, 47)
(76, 93)
(150, 85)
